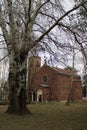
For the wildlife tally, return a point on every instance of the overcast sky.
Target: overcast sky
(68, 4)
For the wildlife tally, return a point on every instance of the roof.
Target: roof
(62, 71)
(65, 72)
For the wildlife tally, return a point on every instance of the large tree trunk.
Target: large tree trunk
(17, 86)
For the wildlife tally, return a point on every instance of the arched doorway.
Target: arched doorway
(39, 95)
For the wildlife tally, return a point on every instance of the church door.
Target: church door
(39, 95)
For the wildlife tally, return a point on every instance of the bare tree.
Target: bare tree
(25, 24)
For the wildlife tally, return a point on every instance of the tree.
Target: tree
(84, 86)
(71, 69)
(82, 16)
(4, 90)
(23, 28)
(81, 38)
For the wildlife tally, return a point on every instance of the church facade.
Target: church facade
(51, 84)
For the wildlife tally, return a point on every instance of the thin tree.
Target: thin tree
(69, 99)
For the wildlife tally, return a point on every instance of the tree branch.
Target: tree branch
(76, 39)
(3, 58)
(50, 16)
(85, 8)
(29, 9)
(39, 7)
(56, 23)
(3, 27)
(11, 18)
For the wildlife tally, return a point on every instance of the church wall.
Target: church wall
(64, 85)
(54, 86)
(77, 90)
(50, 87)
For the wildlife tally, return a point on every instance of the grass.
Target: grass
(47, 116)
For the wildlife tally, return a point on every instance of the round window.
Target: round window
(44, 78)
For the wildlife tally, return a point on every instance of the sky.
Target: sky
(68, 4)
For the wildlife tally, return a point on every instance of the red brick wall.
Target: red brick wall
(77, 90)
(38, 80)
(58, 85)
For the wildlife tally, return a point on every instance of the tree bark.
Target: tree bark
(17, 86)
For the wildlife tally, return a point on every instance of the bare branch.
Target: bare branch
(85, 8)
(56, 23)
(11, 18)
(76, 39)
(50, 16)
(39, 7)
(29, 9)
(3, 58)
(3, 27)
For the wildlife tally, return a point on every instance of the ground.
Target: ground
(47, 116)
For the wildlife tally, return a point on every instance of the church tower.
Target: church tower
(34, 64)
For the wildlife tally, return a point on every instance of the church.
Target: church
(46, 83)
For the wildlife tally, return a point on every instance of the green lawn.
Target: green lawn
(47, 116)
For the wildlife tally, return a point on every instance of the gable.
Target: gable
(52, 72)
(44, 76)
(46, 69)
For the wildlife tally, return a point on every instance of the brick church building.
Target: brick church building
(51, 84)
